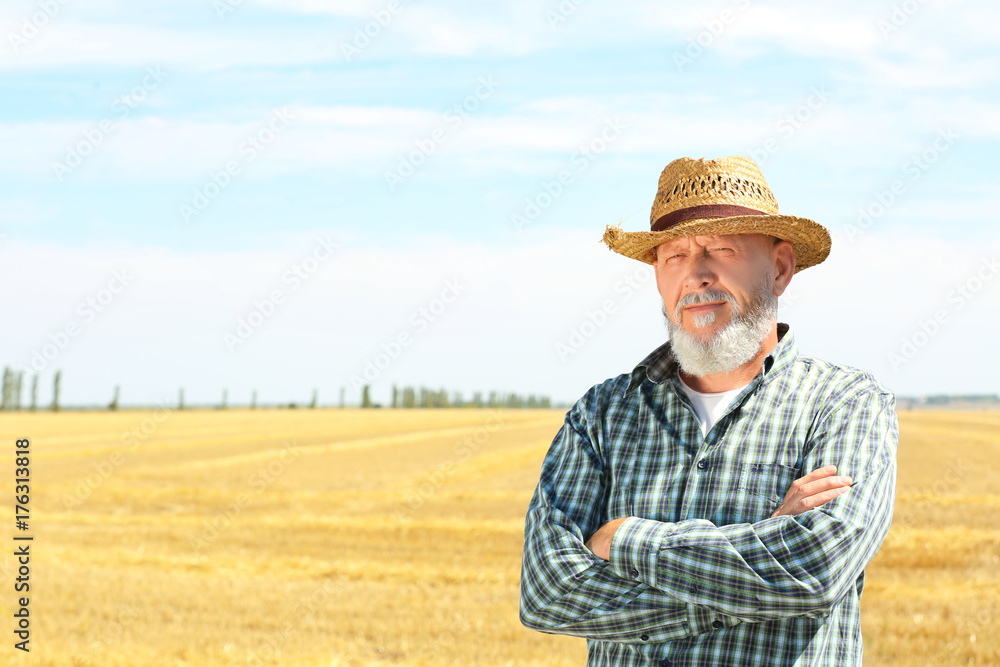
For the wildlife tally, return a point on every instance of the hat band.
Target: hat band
(705, 211)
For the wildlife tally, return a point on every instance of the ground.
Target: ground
(393, 537)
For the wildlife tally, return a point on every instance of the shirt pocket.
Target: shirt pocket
(761, 487)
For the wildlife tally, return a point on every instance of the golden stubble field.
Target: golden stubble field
(348, 537)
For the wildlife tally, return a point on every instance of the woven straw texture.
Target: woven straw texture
(733, 181)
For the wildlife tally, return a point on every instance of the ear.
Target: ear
(783, 257)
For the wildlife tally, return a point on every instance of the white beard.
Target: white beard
(734, 345)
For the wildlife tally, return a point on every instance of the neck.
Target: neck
(736, 378)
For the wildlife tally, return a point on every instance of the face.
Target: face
(702, 279)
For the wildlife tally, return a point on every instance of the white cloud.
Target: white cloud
(26, 211)
(356, 8)
(69, 43)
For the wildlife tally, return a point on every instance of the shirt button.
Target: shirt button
(694, 590)
(665, 663)
(702, 464)
(634, 573)
(644, 637)
(716, 624)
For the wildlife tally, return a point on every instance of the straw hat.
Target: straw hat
(724, 196)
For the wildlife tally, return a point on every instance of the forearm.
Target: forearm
(777, 568)
(565, 589)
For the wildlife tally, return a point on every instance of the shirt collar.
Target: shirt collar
(660, 364)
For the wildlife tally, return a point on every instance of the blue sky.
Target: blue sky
(182, 163)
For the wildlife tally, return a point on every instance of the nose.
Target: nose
(697, 273)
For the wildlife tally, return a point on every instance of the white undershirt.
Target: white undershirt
(710, 407)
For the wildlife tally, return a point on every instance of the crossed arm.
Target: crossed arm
(806, 493)
(635, 580)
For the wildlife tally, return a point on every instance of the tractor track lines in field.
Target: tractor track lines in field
(288, 567)
(120, 494)
(336, 447)
(365, 523)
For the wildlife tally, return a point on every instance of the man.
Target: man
(673, 523)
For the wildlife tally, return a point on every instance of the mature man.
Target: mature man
(669, 526)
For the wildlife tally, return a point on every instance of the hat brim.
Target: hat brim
(810, 240)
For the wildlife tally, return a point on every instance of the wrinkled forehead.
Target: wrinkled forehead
(738, 240)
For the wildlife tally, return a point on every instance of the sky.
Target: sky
(306, 195)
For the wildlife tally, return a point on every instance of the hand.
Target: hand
(815, 489)
(600, 542)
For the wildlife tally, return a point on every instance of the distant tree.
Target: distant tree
(457, 401)
(18, 378)
(113, 405)
(312, 404)
(343, 392)
(34, 393)
(366, 399)
(409, 398)
(180, 400)
(56, 383)
(253, 400)
(395, 396)
(225, 399)
(6, 404)
(477, 399)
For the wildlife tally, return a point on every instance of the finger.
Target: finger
(819, 485)
(819, 499)
(819, 473)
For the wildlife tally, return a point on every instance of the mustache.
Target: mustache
(706, 296)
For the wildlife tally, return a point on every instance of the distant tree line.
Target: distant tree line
(402, 397)
(12, 390)
(425, 397)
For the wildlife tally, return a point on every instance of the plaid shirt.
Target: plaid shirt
(701, 575)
